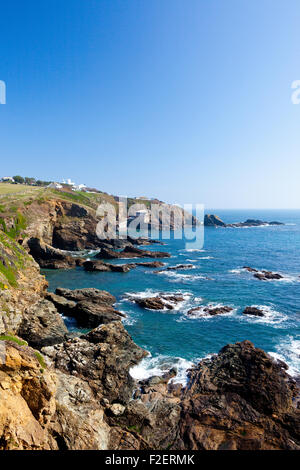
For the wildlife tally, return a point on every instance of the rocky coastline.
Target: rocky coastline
(65, 391)
(212, 220)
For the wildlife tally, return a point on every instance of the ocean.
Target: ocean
(174, 338)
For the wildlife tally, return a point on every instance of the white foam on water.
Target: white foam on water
(158, 365)
(271, 316)
(178, 277)
(288, 351)
(236, 271)
(151, 293)
(201, 314)
(289, 278)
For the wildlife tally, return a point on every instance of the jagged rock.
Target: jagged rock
(253, 311)
(151, 264)
(250, 270)
(91, 315)
(27, 401)
(102, 267)
(48, 257)
(78, 422)
(90, 307)
(211, 220)
(267, 275)
(88, 293)
(62, 304)
(42, 325)
(102, 359)
(239, 399)
(130, 252)
(22, 289)
(210, 310)
(178, 267)
(159, 302)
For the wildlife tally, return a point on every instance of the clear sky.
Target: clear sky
(185, 100)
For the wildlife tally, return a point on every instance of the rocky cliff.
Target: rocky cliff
(59, 391)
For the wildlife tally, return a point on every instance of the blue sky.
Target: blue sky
(188, 101)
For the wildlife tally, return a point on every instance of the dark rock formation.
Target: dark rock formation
(49, 257)
(43, 326)
(151, 264)
(240, 399)
(253, 311)
(102, 359)
(90, 307)
(160, 302)
(102, 267)
(267, 275)
(131, 252)
(211, 220)
(263, 275)
(210, 310)
(178, 267)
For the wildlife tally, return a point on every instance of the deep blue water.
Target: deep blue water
(172, 336)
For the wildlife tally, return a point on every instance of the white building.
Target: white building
(7, 178)
(55, 186)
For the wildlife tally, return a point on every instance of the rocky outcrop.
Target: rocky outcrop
(27, 398)
(42, 325)
(178, 267)
(130, 252)
(211, 220)
(96, 265)
(158, 302)
(240, 399)
(102, 359)
(210, 310)
(90, 307)
(21, 284)
(48, 257)
(256, 312)
(263, 275)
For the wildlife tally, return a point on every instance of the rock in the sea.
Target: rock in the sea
(102, 358)
(211, 220)
(102, 267)
(159, 302)
(239, 399)
(253, 311)
(154, 303)
(48, 257)
(42, 325)
(131, 252)
(90, 307)
(267, 275)
(210, 310)
(178, 267)
(151, 264)
(263, 275)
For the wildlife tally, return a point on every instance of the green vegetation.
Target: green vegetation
(12, 259)
(9, 274)
(8, 188)
(134, 428)
(19, 341)
(41, 360)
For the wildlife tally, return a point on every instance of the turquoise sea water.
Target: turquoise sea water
(173, 337)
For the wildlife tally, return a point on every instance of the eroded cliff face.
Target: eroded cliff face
(27, 398)
(21, 284)
(240, 399)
